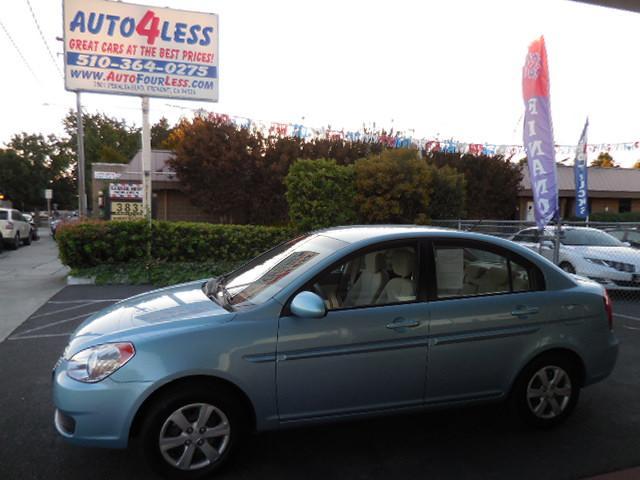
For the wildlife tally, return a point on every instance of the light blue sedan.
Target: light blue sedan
(339, 324)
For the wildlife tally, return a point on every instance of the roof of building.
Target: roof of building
(603, 182)
(133, 170)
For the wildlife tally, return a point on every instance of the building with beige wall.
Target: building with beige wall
(614, 190)
(169, 202)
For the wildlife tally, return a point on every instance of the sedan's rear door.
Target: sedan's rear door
(486, 309)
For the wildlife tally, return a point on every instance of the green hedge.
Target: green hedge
(89, 244)
(615, 217)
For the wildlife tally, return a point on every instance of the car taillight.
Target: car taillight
(9, 226)
(608, 308)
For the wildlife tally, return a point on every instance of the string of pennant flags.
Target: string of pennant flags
(398, 138)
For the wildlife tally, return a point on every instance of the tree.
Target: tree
(393, 187)
(448, 194)
(637, 164)
(604, 160)
(216, 163)
(106, 139)
(160, 134)
(320, 193)
(493, 183)
(32, 163)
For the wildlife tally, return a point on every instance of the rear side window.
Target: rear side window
(3, 215)
(17, 216)
(466, 271)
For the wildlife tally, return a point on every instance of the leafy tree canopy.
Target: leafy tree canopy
(604, 160)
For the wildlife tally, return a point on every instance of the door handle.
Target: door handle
(400, 323)
(524, 310)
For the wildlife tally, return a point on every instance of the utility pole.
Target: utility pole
(146, 159)
(82, 194)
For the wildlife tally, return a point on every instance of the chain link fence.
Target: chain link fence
(607, 252)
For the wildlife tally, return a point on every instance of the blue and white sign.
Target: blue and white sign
(115, 47)
(581, 175)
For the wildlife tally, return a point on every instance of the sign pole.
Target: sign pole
(82, 195)
(146, 159)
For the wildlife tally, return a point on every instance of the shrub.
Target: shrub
(320, 193)
(448, 194)
(615, 217)
(94, 243)
(393, 187)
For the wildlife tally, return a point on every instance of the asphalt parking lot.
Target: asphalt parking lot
(602, 436)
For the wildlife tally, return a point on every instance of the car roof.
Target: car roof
(358, 233)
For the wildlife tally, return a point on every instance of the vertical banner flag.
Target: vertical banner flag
(581, 175)
(538, 134)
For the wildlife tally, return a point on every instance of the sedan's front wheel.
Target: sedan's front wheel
(547, 390)
(190, 433)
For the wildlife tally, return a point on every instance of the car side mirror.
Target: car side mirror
(626, 244)
(308, 305)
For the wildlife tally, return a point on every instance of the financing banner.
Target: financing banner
(581, 175)
(538, 134)
(115, 47)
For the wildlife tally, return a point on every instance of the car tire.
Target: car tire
(27, 239)
(15, 244)
(567, 267)
(547, 405)
(178, 410)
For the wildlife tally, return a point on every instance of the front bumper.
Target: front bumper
(95, 414)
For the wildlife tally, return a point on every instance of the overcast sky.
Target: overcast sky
(448, 68)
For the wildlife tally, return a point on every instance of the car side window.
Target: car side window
(16, 216)
(633, 237)
(619, 234)
(379, 277)
(530, 236)
(470, 271)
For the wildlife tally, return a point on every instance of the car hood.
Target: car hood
(179, 306)
(618, 254)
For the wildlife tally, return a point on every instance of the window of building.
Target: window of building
(625, 205)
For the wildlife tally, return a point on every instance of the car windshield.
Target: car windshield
(593, 238)
(267, 274)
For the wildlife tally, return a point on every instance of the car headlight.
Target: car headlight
(97, 363)
(620, 266)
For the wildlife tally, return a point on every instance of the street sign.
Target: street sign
(48, 194)
(106, 175)
(115, 47)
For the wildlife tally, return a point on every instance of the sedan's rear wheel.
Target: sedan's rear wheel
(191, 433)
(547, 390)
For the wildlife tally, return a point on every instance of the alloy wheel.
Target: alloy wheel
(194, 436)
(549, 392)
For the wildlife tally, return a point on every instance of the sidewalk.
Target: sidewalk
(29, 276)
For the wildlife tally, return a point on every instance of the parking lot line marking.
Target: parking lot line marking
(48, 314)
(86, 300)
(42, 335)
(628, 317)
(41, 327)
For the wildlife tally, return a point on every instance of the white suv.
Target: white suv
(14, 228)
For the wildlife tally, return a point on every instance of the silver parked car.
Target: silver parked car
(14, 228)
(339, 324)
(589, 252)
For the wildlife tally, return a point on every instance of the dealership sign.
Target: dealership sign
(128, 191)
(114, 47)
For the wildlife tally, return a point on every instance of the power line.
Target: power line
(20, 53)
(46, 44)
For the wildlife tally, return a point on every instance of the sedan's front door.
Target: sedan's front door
(369, 351)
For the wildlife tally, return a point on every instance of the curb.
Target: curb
(71, 280)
